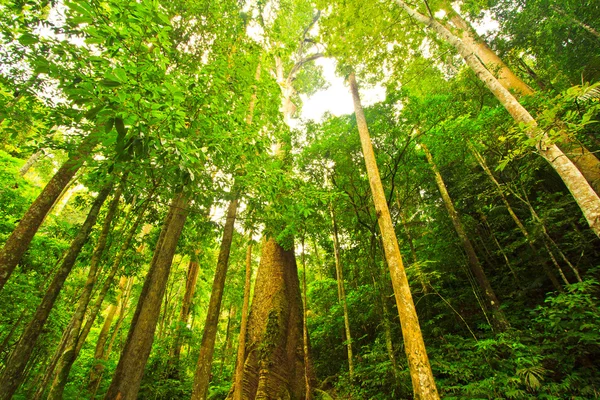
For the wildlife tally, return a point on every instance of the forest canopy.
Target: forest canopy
(173, 228)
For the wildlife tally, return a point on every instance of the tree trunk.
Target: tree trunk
(207, 346)
(342, 291)
(30, 161)
(499, 320)
(227, 343)
(273, 359)
(577, 22)
(584, 195)
(308, 373)
(128, 375)
(13, 372)
(184, 315)
(18, 242)
(68, 357)
(109, 279)
(515, 218)
(413, 252)
(99, 353)
(585, 160)
(239, 364)
(418, 362)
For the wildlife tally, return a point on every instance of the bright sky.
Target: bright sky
(336, 99)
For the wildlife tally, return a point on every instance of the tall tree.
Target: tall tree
(420, 371)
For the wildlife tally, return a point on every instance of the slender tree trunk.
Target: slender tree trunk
(418, 362)
(18, 242)
(305, 339)
(68, 357)
(13, 372)
(30, 161)
(111, 311)
(342, 291)
(184, 315)
(227, 343)
(128, 375)
(501, 249)
(273, 360)
(584, 195)
(239, 364)
(207, 346)
(515, 218)
(109, 279)
(576, 21)
(499, 319)
(413, 252)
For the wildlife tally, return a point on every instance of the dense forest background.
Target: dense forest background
(172, 230)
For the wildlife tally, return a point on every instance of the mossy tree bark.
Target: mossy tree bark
(13, 373)
(207, 346)
(18, 242)
(273, 359)
(128, 375)
(418, 361)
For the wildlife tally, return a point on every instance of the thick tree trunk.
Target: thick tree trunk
(499, 320)
(13, 372)
(418, 362)
(128, 375)
(273, 359)
(515, 218)
(582, 192)
(341, 291)
(207, 346)
(239, 364)
(184, 315)
(68, 357)
(18, 242)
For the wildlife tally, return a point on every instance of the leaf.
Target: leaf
(27, 39)
(109, 83)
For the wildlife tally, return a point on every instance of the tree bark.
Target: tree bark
(13, 372)
(109, 279)
(308, 373)
(239, 364)
(128, 375)
(499, 320)
(30, 161)
(418, 362)
(582, 192)
(273, 359)
(184, 315)
(342, 291)
(207, 346)
(68, 356)
(18, 242)
(99, 353)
